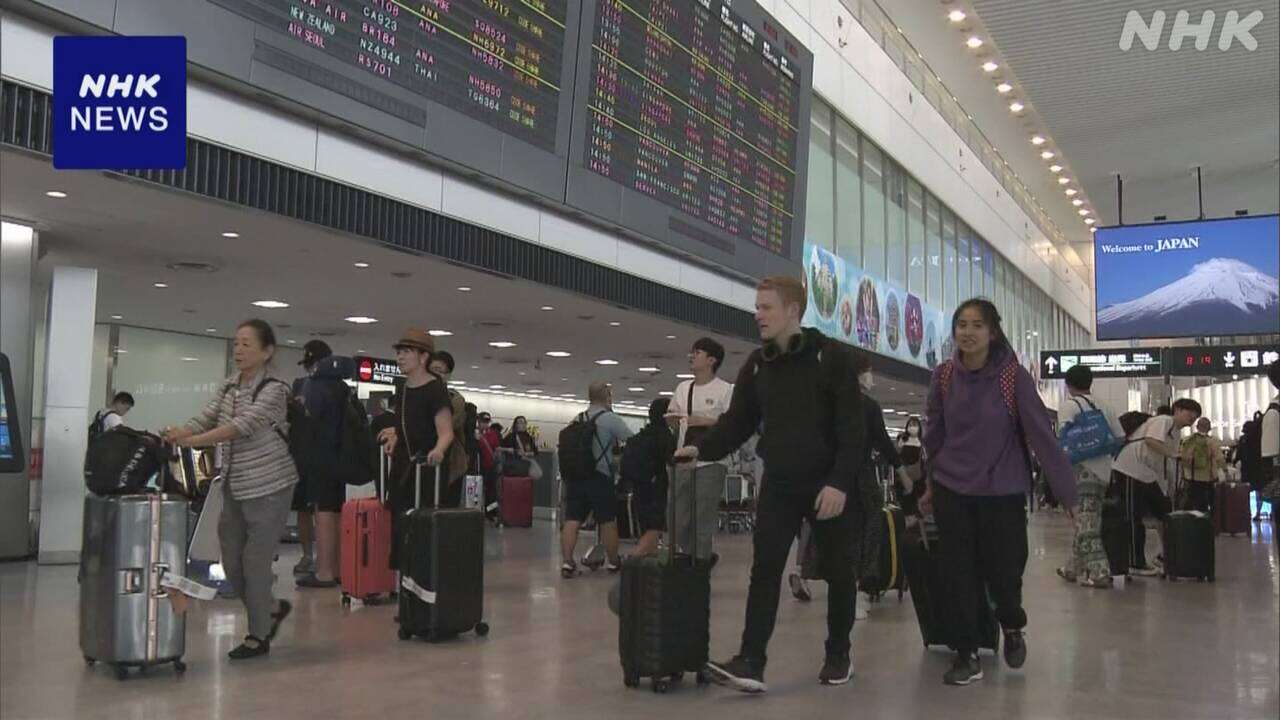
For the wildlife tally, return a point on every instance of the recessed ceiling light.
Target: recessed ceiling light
(615, 323)
(636, 389)
(361, 320)
(1070, 192)
(1055, 168)
(117, 317)
(1037, 140)
(1016, 106)
(566, 395)
(475, 367)
(887, 411)
(671, 337)
(1090, 221)
(990, 67)
(666, 393)
(502, 344)
(559, 353)
(160, 285)
(535, 392)
(522, 373)
(685, 376)
(190, 359)
(903, 412)
(271, 304)
(1003, 88)
(293, 342)
(362, 265)
(606, 362)
(956, 16)
(214, 330)
(230, 235)
(1083, 211)
(1077, 202)
(56, 194)
(1046, 155)
(649, 369)
(547, 308)
(457, 382)
(974, 42)
(497, 387)
(464, 288)
(1064, 180)
(439, 333)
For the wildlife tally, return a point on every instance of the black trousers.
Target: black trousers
(1148, 501)
(779, 513)
(1200, 496)
(982, 540)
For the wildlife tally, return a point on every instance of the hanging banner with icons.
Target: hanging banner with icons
(863, 310)
(1220, 359)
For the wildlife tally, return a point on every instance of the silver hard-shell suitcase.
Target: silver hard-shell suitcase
(130, 542)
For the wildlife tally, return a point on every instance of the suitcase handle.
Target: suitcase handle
(418, 461)
(693, 512)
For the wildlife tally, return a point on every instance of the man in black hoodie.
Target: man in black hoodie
(800, 390)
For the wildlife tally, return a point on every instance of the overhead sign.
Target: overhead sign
(377, 370)
(1144, 362)
(119, 103)
(1221, 359)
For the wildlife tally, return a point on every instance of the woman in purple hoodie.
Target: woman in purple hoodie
(983, 413)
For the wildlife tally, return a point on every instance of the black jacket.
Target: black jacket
(806, 404)
(877, 436)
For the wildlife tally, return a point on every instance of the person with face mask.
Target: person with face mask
(912, 455)
(800, 390)
(983, 412)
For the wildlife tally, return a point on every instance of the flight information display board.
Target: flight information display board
(498, 61)
(698, 112)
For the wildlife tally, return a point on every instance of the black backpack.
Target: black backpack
(357, 456)
(645, 454)
(576, 449)
(99, 424)
(122, 462)
(301, 439)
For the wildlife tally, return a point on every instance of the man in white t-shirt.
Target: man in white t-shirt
(694, 409)
(1142, 462)
(1271, 436)
(112, 416)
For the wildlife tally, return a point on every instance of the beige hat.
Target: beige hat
(418, 339)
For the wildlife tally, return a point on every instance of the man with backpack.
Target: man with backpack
(586, 460)
(801, 392)
(1201, 460)
(112, 416)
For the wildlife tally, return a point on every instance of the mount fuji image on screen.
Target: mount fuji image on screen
(1189, 279)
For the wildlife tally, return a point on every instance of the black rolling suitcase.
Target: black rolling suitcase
(934, 611)
(664, 615)
(888, 575)
(441, 569)
(1117, 527)
(1189, 546)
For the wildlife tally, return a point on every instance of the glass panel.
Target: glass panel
(988, 270)
(873, 210)
(170, 375)
(820, 211)
(948, 260)
(915, 238)
(964, 268)
(848, 194)
(933, 249)
(896, 224)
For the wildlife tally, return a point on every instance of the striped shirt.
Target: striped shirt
(257, 462)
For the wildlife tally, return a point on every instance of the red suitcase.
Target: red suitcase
(367, 574)
(1231, 508)
(515, 501)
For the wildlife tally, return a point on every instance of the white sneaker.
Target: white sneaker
(860, 612)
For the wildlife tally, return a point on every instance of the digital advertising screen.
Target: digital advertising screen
(12, 457)
(1188, 279)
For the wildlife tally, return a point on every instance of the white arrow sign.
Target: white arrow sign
(1050, 364)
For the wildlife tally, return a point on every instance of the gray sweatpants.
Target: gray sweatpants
(249, 532)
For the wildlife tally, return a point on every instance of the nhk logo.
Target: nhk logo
(1234, 27)
(120, 103)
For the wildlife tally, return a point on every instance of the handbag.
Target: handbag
(692, 434)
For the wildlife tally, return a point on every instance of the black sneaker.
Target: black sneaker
(799, 588)
(964, 670)
(1015, 648)
(739, 673)
(836, 670)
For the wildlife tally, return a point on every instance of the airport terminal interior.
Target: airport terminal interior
(579, 197)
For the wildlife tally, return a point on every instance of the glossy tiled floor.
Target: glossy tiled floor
(1151, 650)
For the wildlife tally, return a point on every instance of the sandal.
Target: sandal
(1066, 574)
(278, 617)
(245, 650)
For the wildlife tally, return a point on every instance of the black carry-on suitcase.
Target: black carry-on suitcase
(665, 615)
(441, 569)
(1189, 546)
(934, 611)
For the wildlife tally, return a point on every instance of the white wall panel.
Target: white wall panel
(228, 119)
(479, 205)
(358, 163)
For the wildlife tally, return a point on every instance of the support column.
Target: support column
(68, 363)
(18, 245)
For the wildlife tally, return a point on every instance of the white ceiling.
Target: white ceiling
(1150, 116)
(131, 232)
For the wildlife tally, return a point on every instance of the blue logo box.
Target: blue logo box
(119, 103)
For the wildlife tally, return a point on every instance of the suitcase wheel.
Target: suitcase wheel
(179, 667)
(703, 679)
(90, 661)
(403, 634)
(482, 629)
(346, 600)
(661, 686)
(122, 672)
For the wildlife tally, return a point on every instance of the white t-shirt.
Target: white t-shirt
(1138, 461)
(111, 420)
(1070, 408)
(1271, 432)
(709, 401)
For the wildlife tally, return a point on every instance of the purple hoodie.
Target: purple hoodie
(972, 444)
